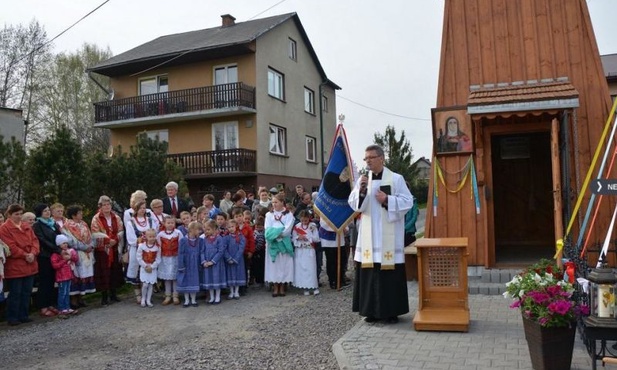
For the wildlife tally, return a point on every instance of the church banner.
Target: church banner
(337, 183)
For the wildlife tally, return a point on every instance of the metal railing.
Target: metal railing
(231, 95)
(216, 161)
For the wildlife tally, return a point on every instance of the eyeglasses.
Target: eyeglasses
(371, 157)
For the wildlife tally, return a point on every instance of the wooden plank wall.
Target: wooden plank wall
(494, 41)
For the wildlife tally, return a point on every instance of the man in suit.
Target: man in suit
(172, 204)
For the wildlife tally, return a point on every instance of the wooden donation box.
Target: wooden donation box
(442, 285)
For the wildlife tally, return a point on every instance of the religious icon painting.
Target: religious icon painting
(452, 131)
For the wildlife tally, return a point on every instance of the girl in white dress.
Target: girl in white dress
(169, 240)
(305, 267)
(149, 258)
(279, 250)
(138, 222)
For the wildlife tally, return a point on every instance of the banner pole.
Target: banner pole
(338, 261)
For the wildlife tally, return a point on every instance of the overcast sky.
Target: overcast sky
(384, 54)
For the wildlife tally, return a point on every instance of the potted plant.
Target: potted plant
(549, 313)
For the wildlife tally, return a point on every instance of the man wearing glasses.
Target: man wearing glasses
(382, 197)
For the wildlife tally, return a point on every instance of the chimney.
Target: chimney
(228, 20)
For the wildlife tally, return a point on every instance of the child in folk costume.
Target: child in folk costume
(279, 250)
(257, 262)
(236, 273)
(168, 241)
(139, 222)
(157, 214)
(246, 230)
(64, 263)
(214, 278)
(189, 259)
(221, 224)
(149, 258)
(185, 217)
(304, 236)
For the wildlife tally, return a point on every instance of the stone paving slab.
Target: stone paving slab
(495, 341)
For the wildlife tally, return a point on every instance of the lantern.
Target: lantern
(602, 293)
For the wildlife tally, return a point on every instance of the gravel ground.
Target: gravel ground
(255, 332)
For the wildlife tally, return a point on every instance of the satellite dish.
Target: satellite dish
(110, 151)
(111, 94)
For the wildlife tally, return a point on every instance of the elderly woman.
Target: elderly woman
(21, 265)
(28, 218)
(57, 213)
(46, 231)
(81, 240)
(107, 268)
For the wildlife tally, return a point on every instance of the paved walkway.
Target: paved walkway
(495, 341)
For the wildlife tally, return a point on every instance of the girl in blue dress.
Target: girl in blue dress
(214, 278)
(234, 256)
(189, 260)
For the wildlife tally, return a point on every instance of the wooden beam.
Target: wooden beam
(557, 207)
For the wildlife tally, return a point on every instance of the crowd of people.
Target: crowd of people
(182, 249)
(167, 244)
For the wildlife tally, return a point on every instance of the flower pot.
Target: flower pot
(549, 348)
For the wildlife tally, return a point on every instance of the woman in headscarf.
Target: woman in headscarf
(107, 268)
(46, 231)
(81, 240)
(21, 265)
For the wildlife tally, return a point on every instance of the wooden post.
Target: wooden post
(338, 260)
(557, 207)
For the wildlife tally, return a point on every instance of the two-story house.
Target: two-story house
(609, 63)
(238, 104)
(423, 166)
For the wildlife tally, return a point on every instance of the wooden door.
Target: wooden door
(523, 199)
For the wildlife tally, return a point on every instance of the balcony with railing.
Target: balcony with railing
(230, 162)
(178, 105)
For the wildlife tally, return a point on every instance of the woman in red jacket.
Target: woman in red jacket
(21, 265)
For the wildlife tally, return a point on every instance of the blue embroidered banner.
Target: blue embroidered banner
(336, 185)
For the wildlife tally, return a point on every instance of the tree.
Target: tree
(24, 54)
(144, 166)
(12, 169)
(69, 95)
(398, 152)
(57, 171)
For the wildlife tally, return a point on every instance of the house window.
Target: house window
(309, 101)
(158, 135)
(224, 135)
(311, 149)
(153, 85)
(324, 103)
(278, 140)
(293, 50)
(276, 84)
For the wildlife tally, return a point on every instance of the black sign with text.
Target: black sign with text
(604, 186)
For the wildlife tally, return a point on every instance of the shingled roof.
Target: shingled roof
(520, 96)
(187, 47)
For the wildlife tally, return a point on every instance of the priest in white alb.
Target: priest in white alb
(380, 285)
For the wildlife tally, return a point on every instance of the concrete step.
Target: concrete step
(491, 281)
(476, 286)
(498, 275)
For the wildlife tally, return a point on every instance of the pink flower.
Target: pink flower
(560, 307)
(539, 297)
